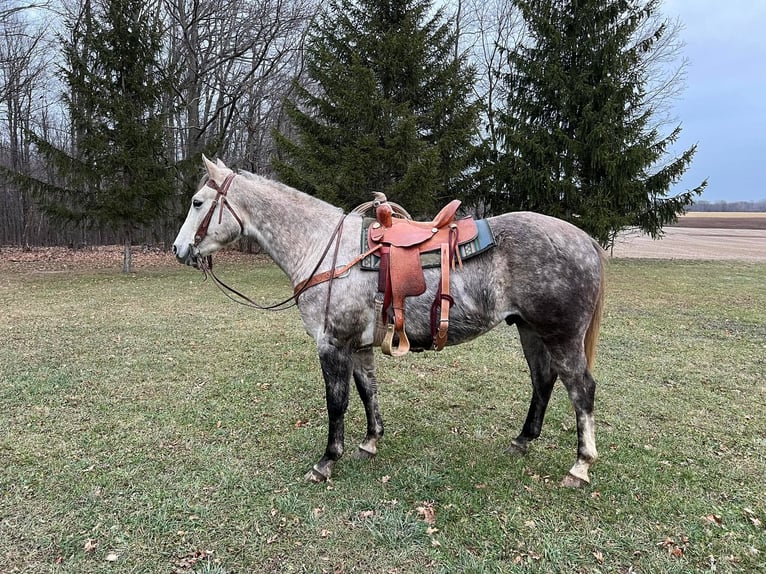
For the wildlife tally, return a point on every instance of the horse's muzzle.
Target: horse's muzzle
(188, 256)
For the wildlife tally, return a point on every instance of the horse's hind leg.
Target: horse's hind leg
(366, 385)
(336, 370)
(573, 370)
(543, 377)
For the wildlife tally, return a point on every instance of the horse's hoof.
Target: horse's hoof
(517, 448)
(316, 476)
(362, 454)
(572, 481)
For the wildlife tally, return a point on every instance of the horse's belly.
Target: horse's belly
(468, 319)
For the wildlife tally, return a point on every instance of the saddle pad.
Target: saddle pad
(483, 241)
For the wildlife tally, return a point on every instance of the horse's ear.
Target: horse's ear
(209, 165)
(216, 171)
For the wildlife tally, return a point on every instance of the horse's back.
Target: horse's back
(538, 233)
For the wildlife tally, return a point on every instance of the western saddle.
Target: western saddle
(400, 243)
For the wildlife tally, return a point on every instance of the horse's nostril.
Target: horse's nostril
(175, 250)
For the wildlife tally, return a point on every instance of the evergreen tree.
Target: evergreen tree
(580, 140)
(115, 177)
(386, 107)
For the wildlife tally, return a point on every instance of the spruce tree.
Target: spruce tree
(385, 108)
(580, 135)
(115, 176)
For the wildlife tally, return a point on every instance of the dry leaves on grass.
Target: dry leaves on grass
(751, 516)
(675, 549)
(365, 514)
(190, 560)
(90, 545)
(65, 259)
(712, 520)
(51, 259)
(427, 513)
(525, 557)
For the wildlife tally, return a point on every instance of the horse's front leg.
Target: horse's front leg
(336, 370)
(367, 386)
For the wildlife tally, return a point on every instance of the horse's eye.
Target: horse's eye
(197, 203)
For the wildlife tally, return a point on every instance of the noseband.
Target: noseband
(220, 196)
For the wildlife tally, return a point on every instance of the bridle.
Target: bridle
(221, 192)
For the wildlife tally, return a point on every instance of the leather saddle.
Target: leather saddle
(401, 275)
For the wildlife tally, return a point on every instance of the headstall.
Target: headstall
(221, 190)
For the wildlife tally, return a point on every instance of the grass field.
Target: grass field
(149, 425)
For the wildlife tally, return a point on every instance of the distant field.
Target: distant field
(703, 235)
(723, 220)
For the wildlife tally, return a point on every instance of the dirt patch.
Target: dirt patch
(701, 235)
(106, 257)
(736, 220)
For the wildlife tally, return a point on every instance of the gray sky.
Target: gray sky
(723, 108)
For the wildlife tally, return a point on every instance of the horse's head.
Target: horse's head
(212, 222)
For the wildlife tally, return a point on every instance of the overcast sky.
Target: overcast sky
(723, 108)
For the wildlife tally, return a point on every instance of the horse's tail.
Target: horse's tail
(591, 335)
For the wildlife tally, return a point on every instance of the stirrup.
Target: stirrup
(387, 345)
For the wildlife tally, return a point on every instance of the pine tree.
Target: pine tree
(580, 140)
(386, 107)
(115, 177)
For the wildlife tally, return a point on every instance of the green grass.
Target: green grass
(147, 424)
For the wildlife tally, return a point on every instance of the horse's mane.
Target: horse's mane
(295, 195)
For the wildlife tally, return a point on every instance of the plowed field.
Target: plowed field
(739, 236)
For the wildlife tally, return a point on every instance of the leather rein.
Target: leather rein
(206, 263)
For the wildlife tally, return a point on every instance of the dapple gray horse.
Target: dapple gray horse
(544, 275)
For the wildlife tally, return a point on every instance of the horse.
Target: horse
(544, 275)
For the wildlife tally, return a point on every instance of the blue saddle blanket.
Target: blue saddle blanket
(483, 241)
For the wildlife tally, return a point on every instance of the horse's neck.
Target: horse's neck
(291, 227)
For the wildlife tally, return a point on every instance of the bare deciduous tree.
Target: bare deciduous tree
(24, 64)
(233, 62)
(231, 65)
(487, 29)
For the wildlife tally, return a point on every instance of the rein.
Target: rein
(206, 265)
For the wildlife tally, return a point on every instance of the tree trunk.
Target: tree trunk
(127, 259)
